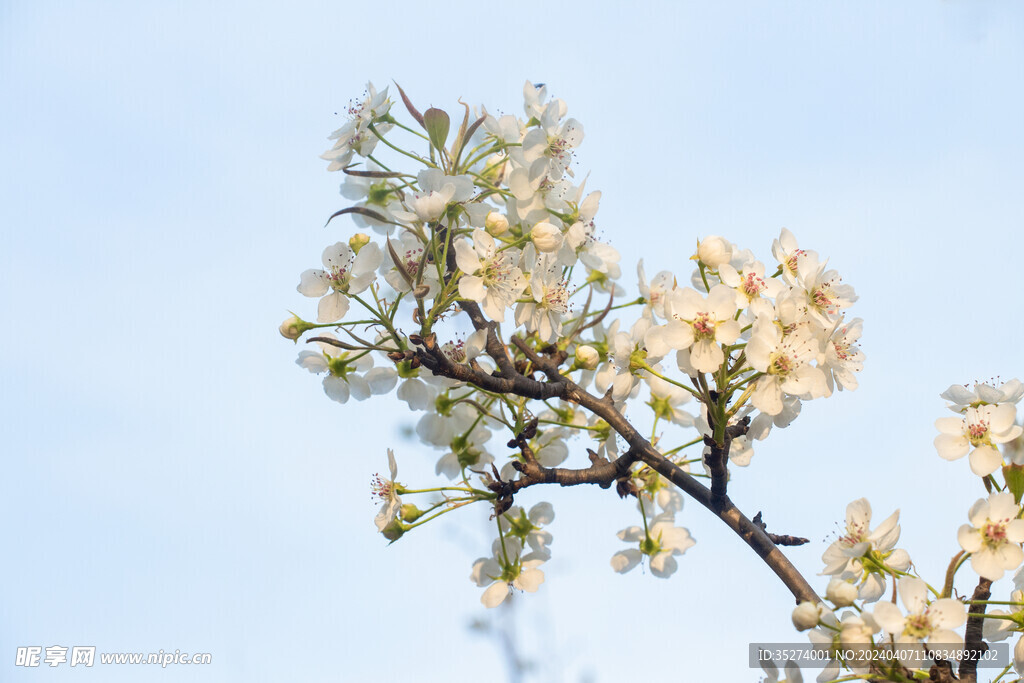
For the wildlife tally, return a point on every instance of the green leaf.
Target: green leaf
(1014, 475)
(437, 123)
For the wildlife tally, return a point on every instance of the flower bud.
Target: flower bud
(358, 241)
(293, 327)
(393, 531)
(1017, 597)
(546, 237)
(714, 251)
(496, 223)
(806, 615)
(587, 357)
(410, 513)
(841, 593)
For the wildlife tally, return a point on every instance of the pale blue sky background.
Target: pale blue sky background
(172, 480)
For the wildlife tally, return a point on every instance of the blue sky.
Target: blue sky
(173, 480)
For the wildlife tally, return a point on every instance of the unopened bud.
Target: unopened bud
(805, 616)
(358, 241)
(587, 357)
(293, 327)
(714, 251)
(393, 531)
(496, 223)
(841, 593)
(546, 237)
(410, 513)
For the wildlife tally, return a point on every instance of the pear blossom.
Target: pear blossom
(420, 270)
(786, 361)
(923, 622)
(752, 288)
(661, 543)
(436, 192)
(654, 293)
(355, 137)
(702, 323)
(526, 528)
(345, 372)
(843, 557)
(506, 571)
(490, 277)
(842, 357)
(960, 397)
(787, 253)
(553, 141)
(824, 291)
(978, 431)
(994, 536)
(550, 301)
(666, 398)
(345, 273)
(387, 491)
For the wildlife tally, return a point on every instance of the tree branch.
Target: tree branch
(974, 644)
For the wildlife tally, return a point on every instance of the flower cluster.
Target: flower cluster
(487, 276)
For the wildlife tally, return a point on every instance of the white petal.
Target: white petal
(332, 307)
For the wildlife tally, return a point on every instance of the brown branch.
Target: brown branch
(778, 539)
(974, 644)
(509, 381)
(640, 449)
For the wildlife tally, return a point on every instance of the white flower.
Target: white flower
(550, 302)
(436, 192)
(994, 536)
(826, 295)
(924, 622)
(1018, 656)
(842, 357)
(980, 428)
(355, 137)
(654, 294)
(666, 399)
(786, 362)
(843, 557)
(421, 271)
(751, 286)
(506, 570)
(490, 277)
(553, 142)
(345, 273)
(961, 398)
(661, 543)
(697, 322)
(787, 253)
(343, 370)
(387, 491)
